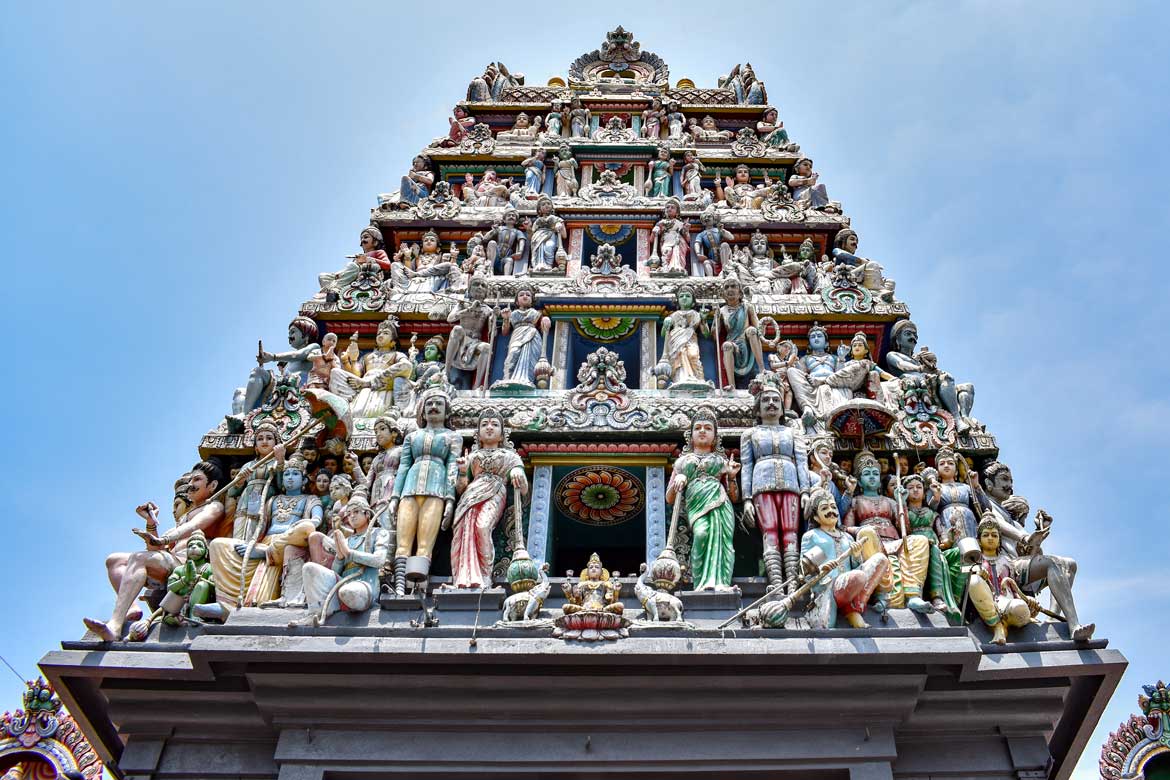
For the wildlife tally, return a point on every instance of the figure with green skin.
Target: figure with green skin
(699, 479)
(192, 581)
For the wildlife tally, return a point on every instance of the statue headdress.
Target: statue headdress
(375, 233)
(703, 413)
(818, 328)
(297, 462)
(987, 521)
(390, 323)
(815, 498)
(505, 442)
(842, 235)
(431, 232)
(427, 395)
(864, 459)
(595, 558)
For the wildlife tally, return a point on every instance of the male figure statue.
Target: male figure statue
(467, 351)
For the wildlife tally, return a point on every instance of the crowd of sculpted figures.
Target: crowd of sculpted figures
(308, 524)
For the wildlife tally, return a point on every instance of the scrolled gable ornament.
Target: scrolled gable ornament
(1129, 750)
(440, 204)
(747, 144)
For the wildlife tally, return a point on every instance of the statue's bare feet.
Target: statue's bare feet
(135, 613)
(855, 620)
(101, 629)
(920, 606)
(999, 635)
(1084, 632)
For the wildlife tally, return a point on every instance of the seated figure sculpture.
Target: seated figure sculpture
(908, 366)
(350, 582)
(593, 592)
(860, 270)
(302, 337)
(524, 131)
(741, 193)
(850, 583)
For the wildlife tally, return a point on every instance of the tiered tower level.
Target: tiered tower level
(616, 327)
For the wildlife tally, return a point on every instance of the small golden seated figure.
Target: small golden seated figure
(594, 591)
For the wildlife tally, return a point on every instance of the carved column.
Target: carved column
(639, 178)
(649, 354)
(586, 174)
(560, 355)
(538, 514)
(655, 511)
(576, 248)
(643, 250)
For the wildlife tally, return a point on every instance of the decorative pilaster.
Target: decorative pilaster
(649, 355)
(576, 248)
(643, 240)
(560, 352)
(655, 511)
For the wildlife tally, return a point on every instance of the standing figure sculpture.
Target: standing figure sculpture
(712, 245)
(378, 481)
(350, 583)
(956, 502)
(701, 478)
(527, 329)
(492, 469)
(423, 497)
(669, 240)
(675, 121)
(652, 120)
(302, 337)
(566, 176)
(467, 350)
(579, 118)
(554, 121)
(924, 521)
(774, 476)
(385, 375)
(546, 237)
(507, 246)
(659, 172)
(534, 168)
(852, 582)
(680, 340)
(692, 177)
(805, 189)
(742, 351)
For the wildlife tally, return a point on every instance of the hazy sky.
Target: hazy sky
(176, 176)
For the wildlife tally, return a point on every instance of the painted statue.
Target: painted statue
(860, 270)
(740, 192)
(527, 329)
(350, 582)
(378, 481)
(742, 82)
(676, 121)
(805, 189)
(534, 168)
(680, 339)
(739, 327)
(993, 591)
(851, 583)
(956, 502)
(907, 365)
(302, 337)
(812, 371)
(566, 172)
(670, 239)
(652, 120)
(593, 592)
(424, 487)
(774, 475)
(554, 122)
(459, 123)
(921, 520)
(579, 119)
(712, 245)
(507, 245)
(701, 476)
(385, 375)
(771, 131)
(484, 481)
(546, 237)
(468, 350)
(692, 177)
(659, 173)
(707, 131)
(417, 182)
(373, 251)
(523, 130)
(490, 191)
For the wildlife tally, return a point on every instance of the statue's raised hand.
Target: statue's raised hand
(147, 511)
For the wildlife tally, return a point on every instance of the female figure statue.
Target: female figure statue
(954, 501)
(459, 123)
(708, 131)
(424, 488)
(658, 174)
(805, 189)
(385, 375)
(417, 183)
(669, 240)
(523, 131)
(492, 468)
(534, 168)
(526, 345)
(566, 179)
(923, 521)
(675, 120)
(771, 131)
(699, 477)
(579, 118)
(378, 481)
(652, 120)
(554, 123)
(680, 339)
(546, 236)
(692, 176)
(593, 592)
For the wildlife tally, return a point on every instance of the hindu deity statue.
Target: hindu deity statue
(692, 177)
(423, 497)
(566, 172)
(774, 475)
(771, 131)
(659, 172)
(431, 371)
(377, 482)
(712, 245)
(483, 482)
(302, 337)
(507, 245)
(490, 191)
(708, 132)
(813, 370)
(373, 252)
(259, 478)
(546, 237)
(324, 360)
(467, 350)
(742, 350)
(702, 477)
(805, 189)
(528, 329)
(909, 556)
(385, 375)
(350, 582)
(670, 239)
(743, 83)
(992, 588)
(237, 561)
(534, 168)
(459, 125)
(675, 121)
(417, 183)
(942, 585)
(579, 119)
(523, 131)
(337, 498)
(652, 119)
(860, 270)
(615, 130)
(955, 501)
(593, 592)
(740, 193)
(680, 339)
(1032, 567)
(129, 572)
(799, 275)
(554, 122)
(851, 580)
(921, 367)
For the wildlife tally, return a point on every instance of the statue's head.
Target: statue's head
(525, 295)
(997, 480)
(371, 239)
(386, 431)
(807, 249)
(302, 332)
(181, 502)
(859, 346)
(521, 121)
(915, 488)
(358, 513)
(904, 334)
(663, 152)
(265, 437)
(293, 478)
(947, 464)
(988, 533)
(818, 338)
(204, 480)
(430, 241)
(704, 431)
(421, 162)
(769, 404)
(743, 174)
(489, 429)
(321, 483)
(803, 166)
(685, 296)
(340, 486)
(709, 122)
(489, 176)
(433, 408)
(709, 218)
(308, 450)
(759, 244)
(846, 239)
(387, 335)
(867, 471)
(544, 205)
(672, 209)
(460, 112)
(594, 570)
(822, 510)
(655, 103)
(771, 115)
(511, 217)
(565, 152)
(433, 349)
(732, 290)
(477, 288)
(197, 546)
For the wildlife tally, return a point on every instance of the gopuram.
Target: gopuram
(607, 452)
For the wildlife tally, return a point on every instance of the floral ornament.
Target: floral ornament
(597, 496)
(606, 329)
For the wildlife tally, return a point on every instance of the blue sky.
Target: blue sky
(177, 175)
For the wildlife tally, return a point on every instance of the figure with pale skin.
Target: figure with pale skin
(850, 583)
(467, 350)
(377, 480)
(340, 493)
(507, 242)
(904, 361)
(373, 251)
(554, 123)
(491, 191)
(806, 190)
(742, 350)
(994, 594)
(417, 183)
(712, 245)
(566, 175)
(771, 131)
(740, 193)
(701, 477)
(484, 481)
(385, 375)
(424, 487)
(652, 120)
(546, 237)
(680, 339)
(534, 168)
(130, 572)
(357, 555)
(459, 123)
(675, 121)
(708, 131)
(924, 521)
(579, 118)
(302, 337)
(773, 477)
(670, 240)
(523, 130)
(956, 502)
(692, 175)
(527, 329)
(593, 592)
(658, 174)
